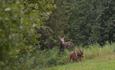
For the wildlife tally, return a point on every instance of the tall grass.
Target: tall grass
(95, 51)
(43, 59)
(93, 55)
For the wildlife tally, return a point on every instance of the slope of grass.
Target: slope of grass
(95, 58)
(102, 63)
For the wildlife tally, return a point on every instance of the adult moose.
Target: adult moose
(64, 44)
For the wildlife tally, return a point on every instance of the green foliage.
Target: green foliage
(18, 19)
(58, 20)
(84, 21)
(47, 40)
(91, 21)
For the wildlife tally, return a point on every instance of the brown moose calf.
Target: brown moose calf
(76, 55)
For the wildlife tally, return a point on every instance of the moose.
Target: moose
(64, 45)
(76, 55)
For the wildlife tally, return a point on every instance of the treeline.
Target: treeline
(28, 28)
(84, 21)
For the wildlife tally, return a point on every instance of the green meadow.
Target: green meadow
(94, 59)
(93, 64)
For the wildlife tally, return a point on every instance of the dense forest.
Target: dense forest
(30, 30)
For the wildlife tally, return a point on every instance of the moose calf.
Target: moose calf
(76, 55)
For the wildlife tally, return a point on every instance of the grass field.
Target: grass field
(102, 63)
(103, 60)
